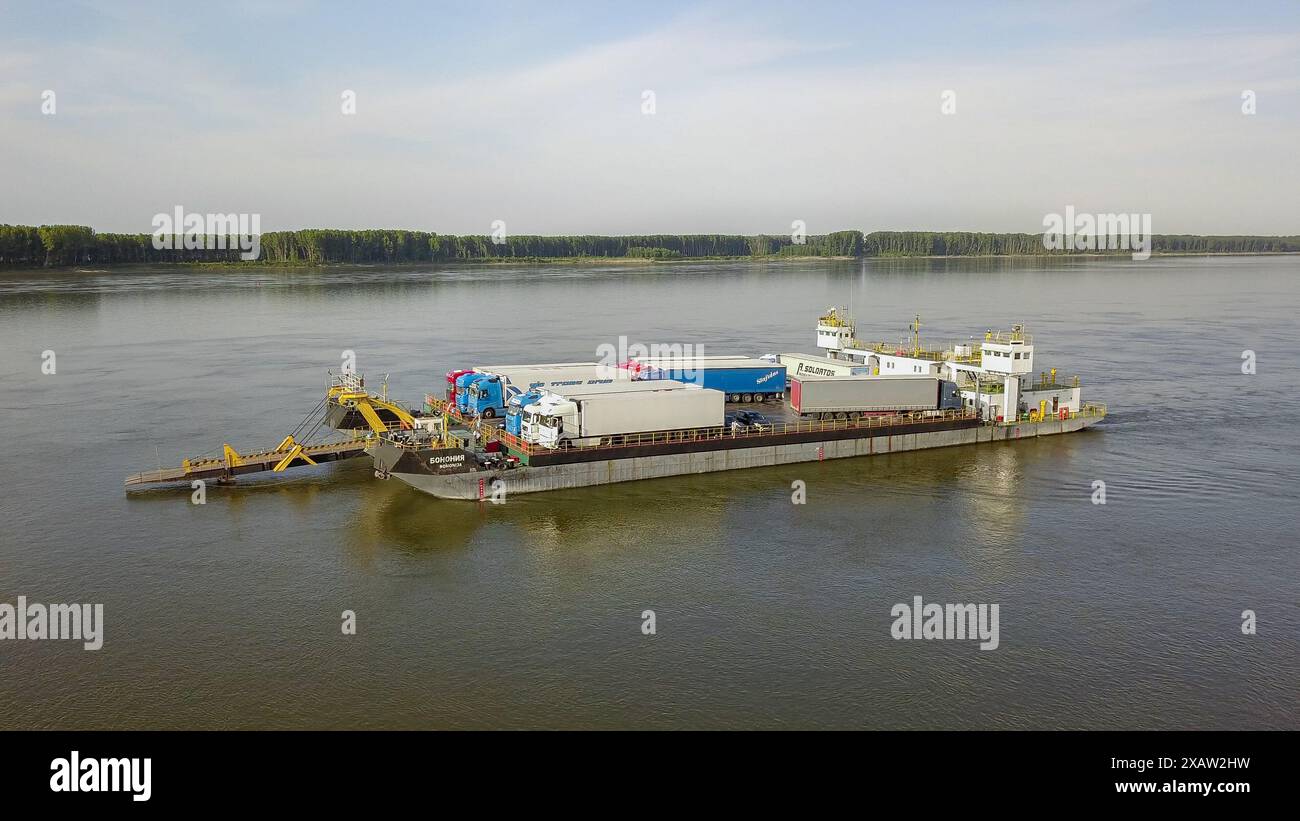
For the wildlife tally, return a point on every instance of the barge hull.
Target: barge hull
(479, 484)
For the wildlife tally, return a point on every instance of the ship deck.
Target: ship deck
(786, 428)
(715, 439)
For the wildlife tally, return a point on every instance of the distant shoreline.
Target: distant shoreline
(79, 246)
(688, 260)
(102, 268)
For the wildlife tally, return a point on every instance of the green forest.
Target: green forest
(962, 243)
(63, 245)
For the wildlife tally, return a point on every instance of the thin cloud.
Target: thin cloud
(751, 131)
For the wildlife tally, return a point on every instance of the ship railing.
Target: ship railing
(928, 354)
(1006, 337)
(632, 440)
(434, 404)
(511, 441)
(348, 381)
(1054, 386)
(200, 462)
(835, 319)
(1031, 415)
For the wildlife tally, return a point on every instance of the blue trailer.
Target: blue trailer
(740, 378)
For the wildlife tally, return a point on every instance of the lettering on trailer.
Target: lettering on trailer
(561, 383)
(814, 370)
(771, 375)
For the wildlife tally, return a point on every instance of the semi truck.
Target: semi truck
(844, 397)
(454, 381)
(606, 416)
(738, 378)
(515, 410)
(460, 389)
(517, 402)
(452, 376)
(489, 392)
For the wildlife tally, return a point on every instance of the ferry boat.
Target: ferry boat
(989, 392)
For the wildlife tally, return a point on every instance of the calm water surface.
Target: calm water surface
(769, 614)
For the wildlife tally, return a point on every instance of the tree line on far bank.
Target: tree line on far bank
(59, 245)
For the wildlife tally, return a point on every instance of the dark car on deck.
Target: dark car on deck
(747, 420)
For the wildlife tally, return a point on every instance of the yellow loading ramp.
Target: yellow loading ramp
(346, 391)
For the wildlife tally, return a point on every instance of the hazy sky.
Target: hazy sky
(764, 113)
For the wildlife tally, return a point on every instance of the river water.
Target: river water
(767, 613)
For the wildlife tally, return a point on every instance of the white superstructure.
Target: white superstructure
(995, 375)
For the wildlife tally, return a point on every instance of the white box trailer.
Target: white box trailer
(863, 394)
(620, 386)
(535, 366)
(674, 361)
(614, 413)
(804, 364)
(549, 377)
(596, 417)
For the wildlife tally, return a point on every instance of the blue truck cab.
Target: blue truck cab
(462, 389)
(949, 395)
(485, 396)
(515, 410)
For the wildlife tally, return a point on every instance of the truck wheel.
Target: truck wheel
(749, 397)
(735, 397)
(489, 413)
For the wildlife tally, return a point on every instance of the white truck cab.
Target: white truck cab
(545, 421)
